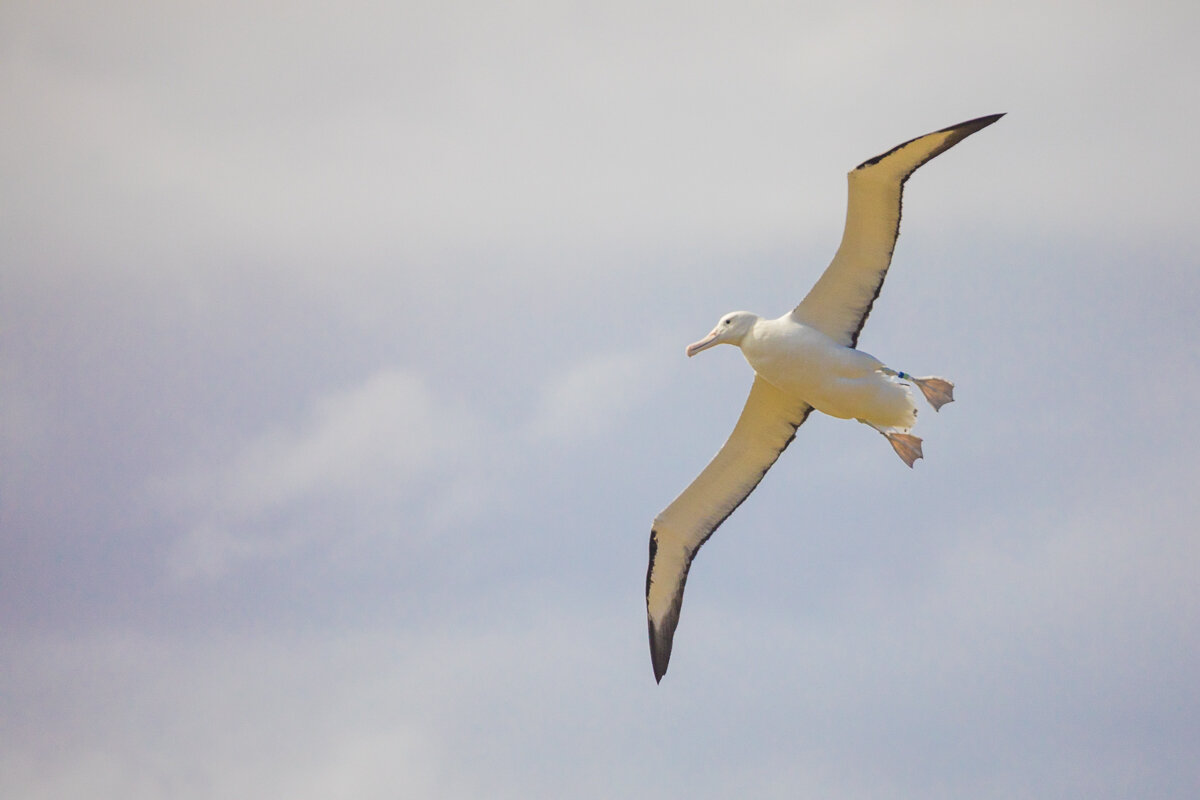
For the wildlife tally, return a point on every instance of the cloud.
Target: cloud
(291, 143)
(248, 724)
(590, 398)
(389, 452)
(447, 712)
(390, 425)
(388, 437)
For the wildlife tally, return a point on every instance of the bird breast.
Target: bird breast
(783, 351)
(810, 366)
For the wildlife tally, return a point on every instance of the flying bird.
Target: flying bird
(806, 359)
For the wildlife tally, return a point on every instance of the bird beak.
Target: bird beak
(703, 344)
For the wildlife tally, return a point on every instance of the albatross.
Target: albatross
(807, 359)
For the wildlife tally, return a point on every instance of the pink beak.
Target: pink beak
(703, 344)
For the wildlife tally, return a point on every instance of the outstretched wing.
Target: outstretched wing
(767, 425)
(840, 301)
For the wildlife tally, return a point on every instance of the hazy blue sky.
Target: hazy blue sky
(342, 373)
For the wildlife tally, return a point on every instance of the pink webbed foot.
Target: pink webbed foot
(938, 391)
(907, 446)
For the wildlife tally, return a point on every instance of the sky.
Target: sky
(342, 374)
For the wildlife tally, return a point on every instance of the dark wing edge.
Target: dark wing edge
(766, 427)
(842, 299)
(957, 133)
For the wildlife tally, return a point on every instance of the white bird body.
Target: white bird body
(840, 381)
(806, 359)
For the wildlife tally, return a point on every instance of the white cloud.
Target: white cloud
(395, 452)
(590, 398)
(246, 719)
(386, 430)
(388, 437)
(688, 125)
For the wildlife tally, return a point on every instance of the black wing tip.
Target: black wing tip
(972, 125)
(660, 646)
(663, 635)
(659, 656)
(960, 130)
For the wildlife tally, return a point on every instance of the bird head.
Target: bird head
(731, 329)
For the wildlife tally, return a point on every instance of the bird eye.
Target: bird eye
(729, 321)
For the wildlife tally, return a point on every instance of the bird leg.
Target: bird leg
(938, 391)
(907, 446)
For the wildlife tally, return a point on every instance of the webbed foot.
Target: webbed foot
(907, 446)
(937, 391)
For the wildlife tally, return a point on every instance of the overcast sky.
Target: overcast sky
(342, 373)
